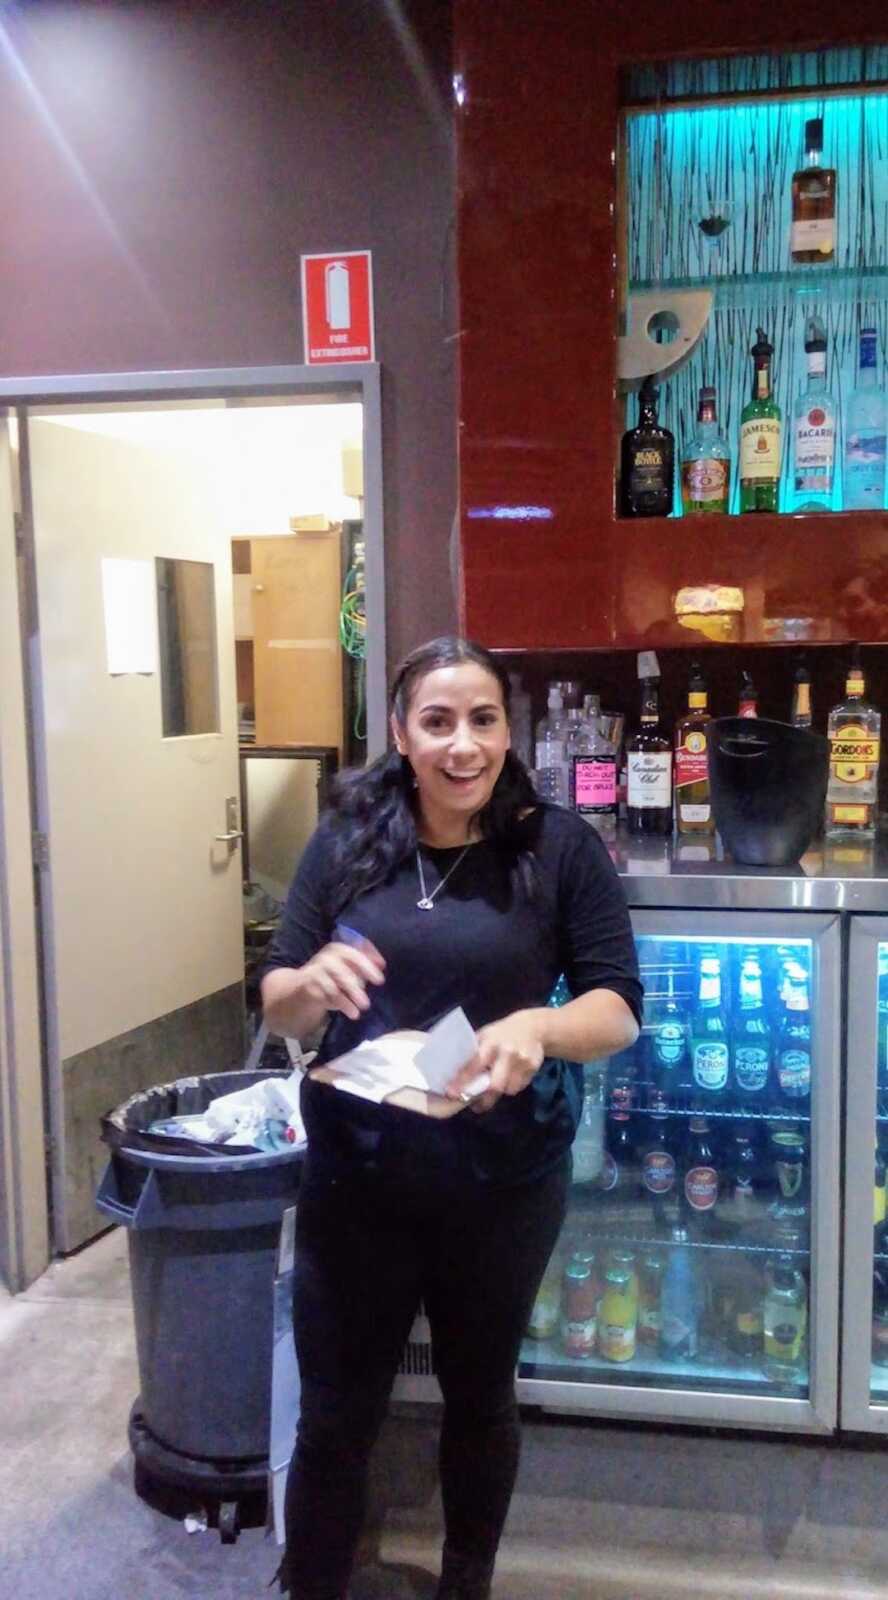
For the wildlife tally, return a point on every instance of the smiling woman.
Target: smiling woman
(459, 888)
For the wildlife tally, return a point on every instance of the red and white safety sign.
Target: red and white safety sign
(337, 307)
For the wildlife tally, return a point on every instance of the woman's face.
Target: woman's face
(455, 737)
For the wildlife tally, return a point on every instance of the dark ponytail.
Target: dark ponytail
(374, 826)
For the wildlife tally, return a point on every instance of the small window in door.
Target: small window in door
(189, 668)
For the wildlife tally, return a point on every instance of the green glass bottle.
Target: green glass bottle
(760, 436)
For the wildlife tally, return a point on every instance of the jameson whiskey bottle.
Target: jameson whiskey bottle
(647, 461)
(760, 435)
(693, 811)
(706, 464)
(854, 728)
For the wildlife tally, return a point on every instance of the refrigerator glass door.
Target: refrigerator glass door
(699, 1230)
(865, 1300)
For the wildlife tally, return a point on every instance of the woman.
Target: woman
(454, 886)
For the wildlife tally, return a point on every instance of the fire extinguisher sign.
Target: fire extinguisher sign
(337, 307)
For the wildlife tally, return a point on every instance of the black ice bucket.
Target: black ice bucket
(768, 785)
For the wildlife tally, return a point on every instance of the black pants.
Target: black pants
(389, 1215)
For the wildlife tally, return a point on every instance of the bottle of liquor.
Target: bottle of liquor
(748, 706)
(813, 238)
(865, 427)
(793, 1052)
(814, 429)
(657, 1161)
(854, 728)
(647, 461)
(693, 808)
(706, 464)
(751, 1037)
(801, 715)
(709, 1035)
(649, 764)
(785, 1321)
(760, 436)
(593, 770)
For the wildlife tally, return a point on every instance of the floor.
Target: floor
(601, 1513)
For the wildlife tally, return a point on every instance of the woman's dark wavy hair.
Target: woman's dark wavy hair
(372, 809)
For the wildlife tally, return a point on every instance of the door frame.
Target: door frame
(23, 1173)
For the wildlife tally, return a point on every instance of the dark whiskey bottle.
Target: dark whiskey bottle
(647, 461)
(649, 769)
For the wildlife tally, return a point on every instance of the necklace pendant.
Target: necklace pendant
(425, 904)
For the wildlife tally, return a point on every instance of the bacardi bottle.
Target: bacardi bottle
(814, 429)
(854, 746)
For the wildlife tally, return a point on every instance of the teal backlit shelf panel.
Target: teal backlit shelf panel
(810, 287)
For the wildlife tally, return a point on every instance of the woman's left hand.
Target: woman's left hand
(511, 1051)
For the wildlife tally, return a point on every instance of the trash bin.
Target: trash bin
(204, 1225)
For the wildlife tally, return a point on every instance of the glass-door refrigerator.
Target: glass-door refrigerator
(696, 1277)
(865, 1296)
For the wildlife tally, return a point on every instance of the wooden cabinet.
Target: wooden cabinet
(551, 243)
(287, 601)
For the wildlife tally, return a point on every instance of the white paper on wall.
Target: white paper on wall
(129, 596)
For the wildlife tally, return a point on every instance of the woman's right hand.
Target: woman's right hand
(337, 977)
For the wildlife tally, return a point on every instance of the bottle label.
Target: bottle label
(689, 813)
(648, 474)
(669, 1044)
(704, 480)
(610, 1172)
(691, 760)
(701, 1188)
(858, 816)
(678, 1334)
(649, 1321)
(760, 448)
(865, 468)
(579, 1337)
(794, 1073)
(617, 1341)
(853, 753)
(814, 233)
(711, 1064)
(751, 1066)
(784, 1340)
(749, 1323)
(595, 783)
(815, 442)
(650, 779)
(658, 1171)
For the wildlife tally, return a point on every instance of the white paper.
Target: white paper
(450, 1044)
(129, 596)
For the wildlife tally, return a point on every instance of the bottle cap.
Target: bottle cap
(762, 350)
(814, 134)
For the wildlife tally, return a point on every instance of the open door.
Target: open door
(137, 782)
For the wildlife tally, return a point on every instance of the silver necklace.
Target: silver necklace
(426, 901)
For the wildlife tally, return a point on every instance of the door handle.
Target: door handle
(232, 819)
(229, 838)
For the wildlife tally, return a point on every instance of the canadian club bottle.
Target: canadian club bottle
(647, 461)
(760, 435)
(693, 810)
(649, 769)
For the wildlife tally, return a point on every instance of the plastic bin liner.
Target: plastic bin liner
(126, 1127)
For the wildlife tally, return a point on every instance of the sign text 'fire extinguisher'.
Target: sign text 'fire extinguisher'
(337, 307)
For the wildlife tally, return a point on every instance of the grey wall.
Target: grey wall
(165, 164)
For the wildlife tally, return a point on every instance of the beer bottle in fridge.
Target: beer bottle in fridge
(701, 1176)
(751, 1037)
(794, 1041)
(709, 1035)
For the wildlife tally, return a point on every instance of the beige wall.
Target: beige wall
(24, 1241)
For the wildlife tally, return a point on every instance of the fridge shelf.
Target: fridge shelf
(717, 1365)
(760, 290)
(636, 1240)
(738, 1114)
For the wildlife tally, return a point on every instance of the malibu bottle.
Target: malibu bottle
(709, 1036)
(751, 1036)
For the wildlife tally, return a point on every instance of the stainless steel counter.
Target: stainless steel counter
(688, 873)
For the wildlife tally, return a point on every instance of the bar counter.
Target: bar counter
(697, 873)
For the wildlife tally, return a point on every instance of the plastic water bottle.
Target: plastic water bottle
(549, 753)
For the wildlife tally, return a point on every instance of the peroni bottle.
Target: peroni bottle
(709, 1035)
(751, 1037)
